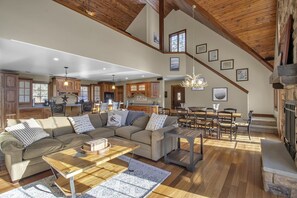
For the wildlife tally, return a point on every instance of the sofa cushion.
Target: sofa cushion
(103, 132)
(42, 147)
(156, 122)
(73, 139)
(95, 120)
(141, 121)
(104, 118)
(61, 126)
(127, 131)
(143, 136)
(47, 125)
(27, 132)
(81, 124)
(133, 115)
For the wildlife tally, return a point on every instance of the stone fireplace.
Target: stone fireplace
(290, 128)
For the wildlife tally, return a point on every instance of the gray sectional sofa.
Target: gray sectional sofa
(23, 162)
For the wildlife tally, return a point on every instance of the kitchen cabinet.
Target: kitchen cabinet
(8, 97)
(57, 86)
(148, 89)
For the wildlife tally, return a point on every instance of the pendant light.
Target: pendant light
(113, 85)
(66, 79)
(194, 81)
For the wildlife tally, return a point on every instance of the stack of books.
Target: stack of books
(96, 145)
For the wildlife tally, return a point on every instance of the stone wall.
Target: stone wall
(286, 8)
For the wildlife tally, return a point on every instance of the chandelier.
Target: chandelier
(194, 81)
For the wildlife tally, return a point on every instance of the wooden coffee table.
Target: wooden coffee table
(82, 172)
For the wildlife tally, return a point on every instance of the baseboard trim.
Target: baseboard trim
(263, 115)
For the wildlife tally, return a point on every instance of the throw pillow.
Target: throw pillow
(27, 132)
(156, 122)
(123, 115)
(132, 116)
(81, 124)
(114, 120)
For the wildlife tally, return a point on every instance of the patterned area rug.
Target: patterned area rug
(139, 183)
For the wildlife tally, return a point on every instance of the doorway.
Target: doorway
(177, 96)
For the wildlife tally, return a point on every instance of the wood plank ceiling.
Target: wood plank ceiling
(116, 13)
(252, 21)
(250, 24)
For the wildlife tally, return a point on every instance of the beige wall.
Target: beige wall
(146, 25)
(49, 24)
(260, 97)
(138, 27)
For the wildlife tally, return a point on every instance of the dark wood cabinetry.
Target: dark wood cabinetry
(9, 97)
(149, 89)
(119, 94)
(57, 86)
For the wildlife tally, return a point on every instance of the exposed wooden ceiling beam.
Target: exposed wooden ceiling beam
(208, 20)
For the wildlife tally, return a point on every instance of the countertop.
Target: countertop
(144, 104)
(41, 106)
(38, 106)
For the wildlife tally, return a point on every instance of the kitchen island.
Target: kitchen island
(148, 108)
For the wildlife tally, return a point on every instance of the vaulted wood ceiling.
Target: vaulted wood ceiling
(250, 24)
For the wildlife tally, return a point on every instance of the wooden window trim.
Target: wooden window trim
(177, 33)
(31, 92)
(48, 89)
(89, 92)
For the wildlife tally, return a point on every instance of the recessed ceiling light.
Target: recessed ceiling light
(142, 76)
(104, 68)
(126, 78)
(56, 59)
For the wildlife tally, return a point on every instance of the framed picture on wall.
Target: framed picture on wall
(213, 55)
(242, 74)
(227, 64)
(202, 48)
(220, 94)
(174, 64)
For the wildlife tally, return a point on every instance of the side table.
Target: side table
(182, 157)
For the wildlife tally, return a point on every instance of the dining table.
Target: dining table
(208, 113)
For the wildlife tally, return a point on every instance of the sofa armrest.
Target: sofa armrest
(159, 134)
(9, 144)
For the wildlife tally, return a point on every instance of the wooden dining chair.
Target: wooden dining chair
(58, 109)
(226, 124)
(166, 111)
(183, 118)
(232, 110)
(212, 119)
(200, 120)
(87, 107)
(246, 124)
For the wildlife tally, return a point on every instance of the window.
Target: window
(84, 93)
(40, 92)
(24, 91)
(97, 93)
(177, 41)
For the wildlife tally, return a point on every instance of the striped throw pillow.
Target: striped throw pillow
(156, 122)
(27, 132)
(81, 124)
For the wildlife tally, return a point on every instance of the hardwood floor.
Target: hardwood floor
(229, 169)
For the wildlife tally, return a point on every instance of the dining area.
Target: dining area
(213, 122)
